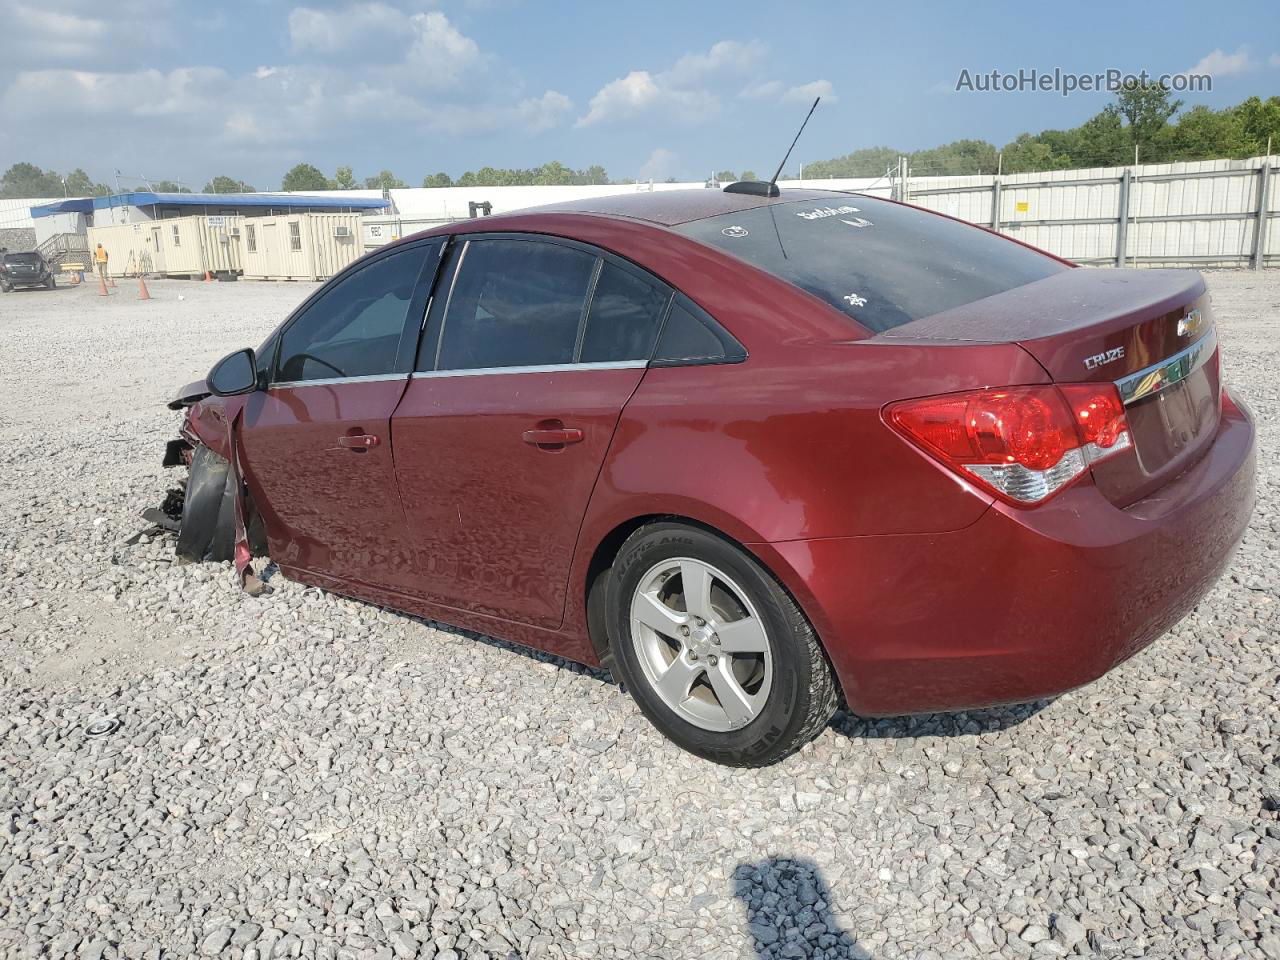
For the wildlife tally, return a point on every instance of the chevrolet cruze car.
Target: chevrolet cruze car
(754, 452)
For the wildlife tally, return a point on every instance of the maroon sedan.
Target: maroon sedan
(754, 454)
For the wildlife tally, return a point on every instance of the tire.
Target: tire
(773, 689)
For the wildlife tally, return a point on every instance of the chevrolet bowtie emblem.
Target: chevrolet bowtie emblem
(1191, 324)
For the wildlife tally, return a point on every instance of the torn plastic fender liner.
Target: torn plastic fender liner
(208, 513)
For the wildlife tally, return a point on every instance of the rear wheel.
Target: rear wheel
(714, 651)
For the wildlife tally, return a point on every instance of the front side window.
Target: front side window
(295, 236)
(354, 328)
(515, 303)
(882, 263)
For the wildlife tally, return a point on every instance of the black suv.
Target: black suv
(25, 270)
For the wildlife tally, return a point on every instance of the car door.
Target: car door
(315, 445)
(533, 346)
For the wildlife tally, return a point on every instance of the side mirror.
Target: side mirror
(234, 374)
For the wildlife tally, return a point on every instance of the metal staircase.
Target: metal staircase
(62, 247)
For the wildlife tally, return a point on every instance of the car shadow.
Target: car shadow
(788, 908)
(961, 724)
(844, 723)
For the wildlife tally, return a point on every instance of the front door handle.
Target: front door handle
(358, 443)
(553, 436)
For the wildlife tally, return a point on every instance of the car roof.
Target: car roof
(670, 208)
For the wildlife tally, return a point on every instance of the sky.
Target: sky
(185, 90)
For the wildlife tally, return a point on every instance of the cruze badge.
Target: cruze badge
(1099, 359)
(1191, 324)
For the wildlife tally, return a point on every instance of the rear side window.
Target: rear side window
(624, 317)
(515, 303)
(882, 263)
(691, 336)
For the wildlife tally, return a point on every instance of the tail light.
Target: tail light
(1024, 444)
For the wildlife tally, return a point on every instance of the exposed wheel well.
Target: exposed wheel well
(602, 562)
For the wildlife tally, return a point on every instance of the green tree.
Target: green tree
(1260, 123)
(954, 159)
(386, 180)
(227, 185)
(749, 175)
(437, 180)
(304, 176)
(594, 174)
(23, 180)
(79, 184)
(1146, 108)
(343, 179)
(1028, 153)
(868, 162)
(725, 176)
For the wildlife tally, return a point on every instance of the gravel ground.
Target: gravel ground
(302, 775)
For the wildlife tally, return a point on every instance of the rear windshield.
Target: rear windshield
(882, 263)
(22, 258)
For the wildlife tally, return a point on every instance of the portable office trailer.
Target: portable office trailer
(300, 246)
(179, 246)
(128, 247)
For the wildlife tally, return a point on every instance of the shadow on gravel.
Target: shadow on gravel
(788, 911)
(967, 723)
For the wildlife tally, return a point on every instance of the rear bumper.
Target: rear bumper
(1022, 604)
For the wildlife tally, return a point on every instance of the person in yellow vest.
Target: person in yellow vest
(100, 258)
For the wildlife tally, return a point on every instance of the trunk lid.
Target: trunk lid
(1150, 332)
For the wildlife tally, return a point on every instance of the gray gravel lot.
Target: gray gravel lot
(302, 775)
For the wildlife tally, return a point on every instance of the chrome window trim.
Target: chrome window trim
(448, 302)
(330, 381)
(1172, 370)
(538, 368)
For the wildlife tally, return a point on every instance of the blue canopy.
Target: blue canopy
(78, 205)
(280, 201)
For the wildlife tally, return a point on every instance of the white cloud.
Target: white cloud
(660, 165)
(684, 92)
(725, 56)
(537, 114)
(1273, 60)
(1219, 64)
(766, 90)
(805, 92)
(439, 54)
(356, 27)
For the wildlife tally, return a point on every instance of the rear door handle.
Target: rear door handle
(358, 443)
(553, 436)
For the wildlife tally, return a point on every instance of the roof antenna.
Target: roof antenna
(770, 189)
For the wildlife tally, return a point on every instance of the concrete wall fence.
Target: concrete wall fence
(1195, 214)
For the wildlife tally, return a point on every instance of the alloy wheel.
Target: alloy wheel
(702, 645)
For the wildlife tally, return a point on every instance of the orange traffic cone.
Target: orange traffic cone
(102, 286)
(208, 276)
(143, 293)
